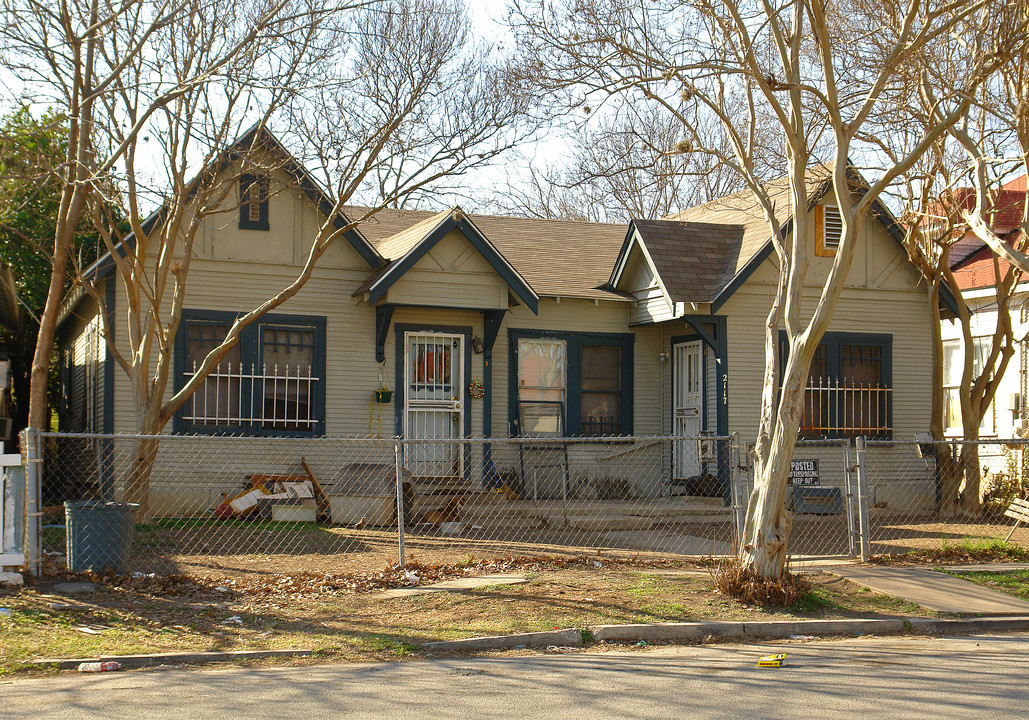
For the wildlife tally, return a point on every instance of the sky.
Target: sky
(485, 183)
(487, 17)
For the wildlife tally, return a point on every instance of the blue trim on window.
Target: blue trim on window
(572, 420)
(250, 352)
(833, 341)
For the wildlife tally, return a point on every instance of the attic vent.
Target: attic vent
(832, 227)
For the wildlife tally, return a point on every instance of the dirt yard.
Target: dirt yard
(210, 549)
(345, 616)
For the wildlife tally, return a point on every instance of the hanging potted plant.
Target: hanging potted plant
(383, 395)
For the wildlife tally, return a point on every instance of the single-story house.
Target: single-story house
(511, 327)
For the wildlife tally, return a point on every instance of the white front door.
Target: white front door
(434, 402)
(687, 403)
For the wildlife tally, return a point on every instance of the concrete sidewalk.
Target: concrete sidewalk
(935, 590)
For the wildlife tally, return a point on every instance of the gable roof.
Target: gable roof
(708, 251)
(256, 136)
(731, 235)
(742, 208)
(556, 258)
(411, 244)
(693, 260)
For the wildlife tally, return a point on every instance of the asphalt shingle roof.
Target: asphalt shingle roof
(558, 258)
(742, 208)
(697, 252)
(695, 260)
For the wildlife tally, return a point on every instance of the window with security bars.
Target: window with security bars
(270, 382)
(849, 390)
(287, 366)
(217, 401)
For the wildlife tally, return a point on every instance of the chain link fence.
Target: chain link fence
(330, 504)
(219, 505)
(920, 499)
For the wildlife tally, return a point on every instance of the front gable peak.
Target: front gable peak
(437, 238)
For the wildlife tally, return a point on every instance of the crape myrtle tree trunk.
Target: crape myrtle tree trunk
(380, 102)
(801, 75)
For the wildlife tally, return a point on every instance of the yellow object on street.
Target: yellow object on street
(772, 660)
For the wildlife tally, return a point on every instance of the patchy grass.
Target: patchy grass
(965, 550)
(348, 620)
(1015, 583)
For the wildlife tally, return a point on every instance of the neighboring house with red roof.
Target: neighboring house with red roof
(573, 329)
(976, 275)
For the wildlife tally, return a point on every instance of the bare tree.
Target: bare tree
(630, 165)
(89, 60)
(814, 69)
(935, 224)
(956, 193)
(376, 115)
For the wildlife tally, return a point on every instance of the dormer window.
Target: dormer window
(829, 230)
(253, 202)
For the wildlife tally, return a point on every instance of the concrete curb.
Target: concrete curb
(186, 658)
(565, 638)
(769, 630)
(571, 637)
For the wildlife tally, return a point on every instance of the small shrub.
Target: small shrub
(733, 580)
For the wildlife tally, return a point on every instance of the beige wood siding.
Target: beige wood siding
(452, 274)
(882, 295)
(652, 305)
(82, 354)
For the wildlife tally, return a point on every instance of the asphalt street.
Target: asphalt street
(912, 677)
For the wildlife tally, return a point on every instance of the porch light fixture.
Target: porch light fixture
(663, 356)
(477, 345)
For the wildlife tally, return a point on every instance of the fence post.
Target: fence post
(399, 466)
(33, 514)
(739, 496)
(862, 497)
(848, 478)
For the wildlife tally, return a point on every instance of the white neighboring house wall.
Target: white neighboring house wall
(1005, 418)
(12, 506)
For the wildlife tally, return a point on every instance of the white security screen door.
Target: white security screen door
(687, 399)
(434, 402)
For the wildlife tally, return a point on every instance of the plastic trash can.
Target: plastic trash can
(98, 535)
